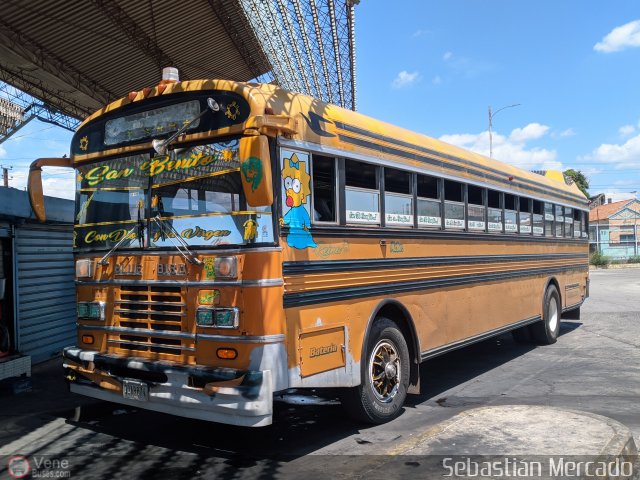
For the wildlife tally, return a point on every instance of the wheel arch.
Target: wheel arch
(550, 281)
(398, 313)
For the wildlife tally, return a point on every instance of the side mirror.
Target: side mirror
(34, 185)
(255, 170)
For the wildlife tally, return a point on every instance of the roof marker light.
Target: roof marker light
(170, 75)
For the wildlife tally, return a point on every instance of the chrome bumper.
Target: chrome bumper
(228, 396)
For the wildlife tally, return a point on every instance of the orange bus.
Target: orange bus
(234, 241)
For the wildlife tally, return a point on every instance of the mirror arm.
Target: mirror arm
(36, 197)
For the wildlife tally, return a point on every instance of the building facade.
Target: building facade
(614, 229)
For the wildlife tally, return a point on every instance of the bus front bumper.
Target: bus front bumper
(215, 394)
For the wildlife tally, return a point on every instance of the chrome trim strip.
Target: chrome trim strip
(572, 286)
(155, 253)
(139, 331)
(434, 352)
(278, 338)
(265, 282)
(150, 312)
(159, 345)
(145, 302)
(317, 148)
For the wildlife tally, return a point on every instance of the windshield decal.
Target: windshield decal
(295, 191)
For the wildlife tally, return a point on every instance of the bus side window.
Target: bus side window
(585, 224)
(398, 198)
(494, 211)
(559, 221)
(525, 215)
(324, 189)
(548, 220)
(510, 213)
(476, 208)
(362, 192)
(453, 205)
(577, 223)
(538, 217)
(429, 214)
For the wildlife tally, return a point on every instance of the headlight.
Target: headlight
(91, 310)
(226, 268)
(84, 268)
(218, 317)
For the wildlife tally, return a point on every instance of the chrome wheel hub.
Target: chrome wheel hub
(384, 371)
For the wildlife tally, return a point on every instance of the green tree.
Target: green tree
(580, 180)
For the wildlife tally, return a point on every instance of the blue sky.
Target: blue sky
(435, 67)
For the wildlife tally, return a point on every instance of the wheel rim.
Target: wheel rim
(384, 371)
(553, 314)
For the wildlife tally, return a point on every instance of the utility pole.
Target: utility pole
(491, 115)
(5, 175)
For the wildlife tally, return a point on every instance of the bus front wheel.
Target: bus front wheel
(545, 332)
(384, 376)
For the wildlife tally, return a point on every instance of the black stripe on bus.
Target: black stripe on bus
(388, 233)
(435, 153)
(421, 158)
(332, 266)
(312, 297)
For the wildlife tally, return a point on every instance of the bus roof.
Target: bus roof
(334, 128)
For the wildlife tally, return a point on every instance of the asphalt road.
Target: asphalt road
(594, 367)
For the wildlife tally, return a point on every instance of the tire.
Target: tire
(572, 314)
(545, 332)
(384, 376)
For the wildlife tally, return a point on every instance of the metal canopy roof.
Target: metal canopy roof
(71, 58)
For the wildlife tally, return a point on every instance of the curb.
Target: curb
(621, 444)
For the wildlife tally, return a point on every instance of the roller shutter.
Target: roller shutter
(46, 299)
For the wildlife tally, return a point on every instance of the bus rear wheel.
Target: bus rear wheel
(545, 332)
(384, 376)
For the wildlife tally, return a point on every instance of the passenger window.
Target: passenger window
(577, 224)
(453, 204)
(362, 193)
(510, 213)
(548, 220)
(538, 217)
(525, 215)
(585, 224)
(324, 189)
(475, 207)
(494, 212)
(568, 222)
(398, 198)
(559, 221)
(429, 205)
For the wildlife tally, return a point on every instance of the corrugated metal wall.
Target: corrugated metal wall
(46, 299)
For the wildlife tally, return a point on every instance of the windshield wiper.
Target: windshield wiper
(160, 146)
(104, 260)
(183, 247)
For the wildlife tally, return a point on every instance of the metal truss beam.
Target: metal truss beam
(310, 45)
(133, 31)
(23, 108)
(51, 63)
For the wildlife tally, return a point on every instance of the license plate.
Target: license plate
(135, 390)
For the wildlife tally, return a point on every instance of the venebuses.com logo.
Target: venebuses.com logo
(20, 466)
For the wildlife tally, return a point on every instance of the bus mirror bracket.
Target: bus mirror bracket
(255, 170)
(34, 185)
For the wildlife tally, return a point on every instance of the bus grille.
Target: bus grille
(155, 318)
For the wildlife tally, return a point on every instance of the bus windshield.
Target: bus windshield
(147, 199)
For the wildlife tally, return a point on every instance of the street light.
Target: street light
(491, 115)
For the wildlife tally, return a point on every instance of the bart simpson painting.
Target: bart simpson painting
(295, 207)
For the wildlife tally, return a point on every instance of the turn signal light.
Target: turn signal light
(227, 353)
(88, 339)
(226, 268)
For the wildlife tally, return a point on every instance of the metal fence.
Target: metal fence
(616, 242)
